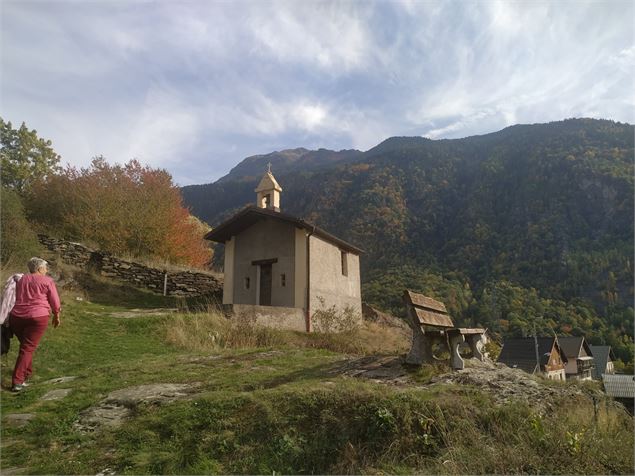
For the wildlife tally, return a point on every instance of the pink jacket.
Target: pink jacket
(35, 296)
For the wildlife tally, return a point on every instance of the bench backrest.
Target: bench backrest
(427, 311)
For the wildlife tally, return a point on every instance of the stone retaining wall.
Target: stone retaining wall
(181, 283)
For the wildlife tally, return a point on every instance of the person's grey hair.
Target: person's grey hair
(36, 263)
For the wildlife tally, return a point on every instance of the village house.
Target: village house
(603, 359)
(621, 387)
(281, 270)
(579, 357)
(542, 355)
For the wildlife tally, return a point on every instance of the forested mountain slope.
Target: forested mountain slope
(533, 223)
(237, 187)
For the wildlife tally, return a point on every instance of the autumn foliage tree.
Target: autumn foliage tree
(126, 209)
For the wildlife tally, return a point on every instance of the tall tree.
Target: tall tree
(25, 157)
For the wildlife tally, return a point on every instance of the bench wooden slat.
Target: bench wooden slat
(430, 318)
(424, 301)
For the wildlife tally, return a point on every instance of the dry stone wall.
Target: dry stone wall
(71, 253)
(182, 283)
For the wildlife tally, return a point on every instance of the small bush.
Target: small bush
(493, 350)
(334, 319)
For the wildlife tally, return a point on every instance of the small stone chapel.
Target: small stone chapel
(280, 269)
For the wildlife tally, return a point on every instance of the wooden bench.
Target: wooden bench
(431, 324)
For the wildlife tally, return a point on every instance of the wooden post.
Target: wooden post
(536, 348)
(165, 282)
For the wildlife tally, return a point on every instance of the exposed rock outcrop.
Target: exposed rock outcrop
(119, 405)
(501, 382)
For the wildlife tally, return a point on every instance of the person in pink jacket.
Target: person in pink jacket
(35, 296)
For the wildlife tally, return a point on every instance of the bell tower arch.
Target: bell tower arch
(268, 192)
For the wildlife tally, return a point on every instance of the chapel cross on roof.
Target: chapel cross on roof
(269, 167)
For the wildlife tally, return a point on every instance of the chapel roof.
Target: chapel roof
(268, 182)
(251, 214)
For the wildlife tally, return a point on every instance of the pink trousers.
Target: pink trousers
(29, 331)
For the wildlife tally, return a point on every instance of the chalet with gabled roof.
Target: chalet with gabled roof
(546, 359)
(579, 357)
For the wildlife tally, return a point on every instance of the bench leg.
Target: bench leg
(455, 357)
(421, 350)
(476, 346)
(416, 355)
(428, 356)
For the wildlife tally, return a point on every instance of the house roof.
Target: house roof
(521, 352)
(252, 214)
(572, 346)
(602, 354)
(619, 385)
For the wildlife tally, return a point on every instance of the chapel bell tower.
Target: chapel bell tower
(268, 192)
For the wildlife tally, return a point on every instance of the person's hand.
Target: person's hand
(56, 320)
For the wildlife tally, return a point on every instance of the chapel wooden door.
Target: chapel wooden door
(265, 285)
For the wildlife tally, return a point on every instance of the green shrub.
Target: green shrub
(17, 238)
(335, 319)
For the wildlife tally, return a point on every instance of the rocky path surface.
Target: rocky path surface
(119, 405)
(137, 313)
(498, 380)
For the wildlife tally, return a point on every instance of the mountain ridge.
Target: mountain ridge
(286, 160)
(256, 164)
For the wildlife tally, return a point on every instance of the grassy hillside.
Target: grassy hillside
(529, 225)
(260, 401)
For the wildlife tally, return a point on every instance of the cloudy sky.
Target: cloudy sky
(196, 86)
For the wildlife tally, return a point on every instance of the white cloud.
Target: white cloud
(464, 123)
(164, 131)
(329, 36)
(197, 86)
(554, 63)
(504, 17)
(309, 116)
(625, 59)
